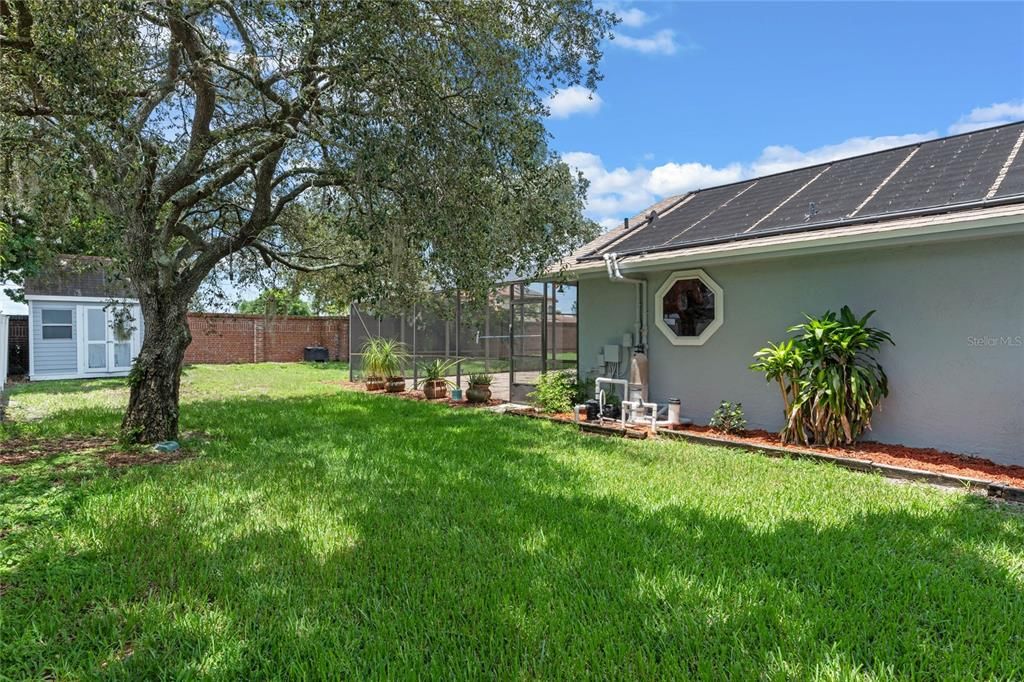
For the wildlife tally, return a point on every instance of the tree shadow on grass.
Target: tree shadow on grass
(66, 386)
(375, 537)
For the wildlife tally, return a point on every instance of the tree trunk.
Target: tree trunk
(152, 413)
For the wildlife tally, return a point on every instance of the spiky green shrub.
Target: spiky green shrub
(830, 380)
(384, 358)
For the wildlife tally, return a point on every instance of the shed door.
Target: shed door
(103, 351)
(95, 338)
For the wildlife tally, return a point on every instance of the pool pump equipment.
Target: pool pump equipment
(633, 407)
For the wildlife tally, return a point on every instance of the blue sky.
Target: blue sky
(697, 94)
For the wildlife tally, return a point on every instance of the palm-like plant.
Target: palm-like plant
(438, 371)
(830, 380)
(384, 358)
(781, 363)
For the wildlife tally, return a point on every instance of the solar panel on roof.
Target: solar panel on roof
(755, 204)
(1013, 181)
(946, 171)
(667, 227)
(837, 193)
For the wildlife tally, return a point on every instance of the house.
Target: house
(929, 235)
(84, 322)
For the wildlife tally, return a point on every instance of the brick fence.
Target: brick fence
(222, 338)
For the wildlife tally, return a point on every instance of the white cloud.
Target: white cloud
(662, 42)
(778, 158)
(9, 307)
(619, 192)
(674, 178)
(633, 17)
(573, 100)
(986, 117)
(615, 192)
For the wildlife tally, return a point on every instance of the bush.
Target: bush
(828, 376)
(728, 418)
(557, 391)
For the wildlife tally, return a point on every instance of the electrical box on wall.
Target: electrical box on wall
(611, 353)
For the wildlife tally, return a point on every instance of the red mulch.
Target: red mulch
(925, 459)
(415, 394)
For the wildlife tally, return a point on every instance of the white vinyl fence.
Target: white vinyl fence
(3, 350)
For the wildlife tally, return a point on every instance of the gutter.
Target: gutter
(810, 227)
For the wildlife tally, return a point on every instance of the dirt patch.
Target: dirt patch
(23, 450)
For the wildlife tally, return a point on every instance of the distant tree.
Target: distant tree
(275, 302)
(390, 143)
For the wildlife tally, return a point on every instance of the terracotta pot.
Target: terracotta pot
(478, 393)
(435, 388)
(395, 385)
(374, 384)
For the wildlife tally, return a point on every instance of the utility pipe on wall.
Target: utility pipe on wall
(615, 275)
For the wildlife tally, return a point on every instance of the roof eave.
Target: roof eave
(977, 223)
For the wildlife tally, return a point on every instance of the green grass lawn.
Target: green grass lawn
(328, 534)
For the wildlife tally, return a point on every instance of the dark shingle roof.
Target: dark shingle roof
(984, 167)
(79, 276)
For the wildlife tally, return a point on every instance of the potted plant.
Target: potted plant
(383, 361)
(479, 388)
(373, 371)
(435, 380)
(395, 359)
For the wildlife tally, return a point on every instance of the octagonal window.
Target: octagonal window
(690, 307)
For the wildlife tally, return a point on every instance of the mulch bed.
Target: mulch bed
(415, 394)
(22, 450)
(922, 459)
(925, 459)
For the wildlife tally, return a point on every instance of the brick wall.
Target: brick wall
(221, 338)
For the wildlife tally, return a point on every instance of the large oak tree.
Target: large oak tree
(394, 143)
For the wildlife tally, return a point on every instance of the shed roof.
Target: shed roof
(945, 175)
(78, 277)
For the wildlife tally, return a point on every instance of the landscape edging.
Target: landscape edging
(991, 488)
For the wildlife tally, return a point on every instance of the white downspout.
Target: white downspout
(640, 325)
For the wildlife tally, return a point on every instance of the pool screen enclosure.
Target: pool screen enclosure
(521, 330)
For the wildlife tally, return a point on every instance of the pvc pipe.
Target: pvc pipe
(611, 263)
(599, 392)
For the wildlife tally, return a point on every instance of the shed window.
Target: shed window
(57, 323)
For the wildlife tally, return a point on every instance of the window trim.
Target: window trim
(70, 324)
(659, 320)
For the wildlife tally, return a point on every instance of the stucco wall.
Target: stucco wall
(955, 309)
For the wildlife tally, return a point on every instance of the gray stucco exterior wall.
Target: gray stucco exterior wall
(955, 310)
